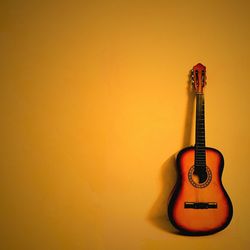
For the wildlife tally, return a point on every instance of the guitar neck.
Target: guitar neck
(200, 156)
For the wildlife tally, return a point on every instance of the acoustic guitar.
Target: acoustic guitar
(199, 204)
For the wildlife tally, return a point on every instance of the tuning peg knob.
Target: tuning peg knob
(192, 77)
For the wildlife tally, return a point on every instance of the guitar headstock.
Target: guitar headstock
(198, 75)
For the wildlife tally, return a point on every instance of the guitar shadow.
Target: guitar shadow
(157, 215)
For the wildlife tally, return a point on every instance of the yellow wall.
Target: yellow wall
(94, 105)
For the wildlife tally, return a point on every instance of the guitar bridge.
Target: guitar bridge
(200, 205)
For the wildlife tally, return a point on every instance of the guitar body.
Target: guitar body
(199, 208)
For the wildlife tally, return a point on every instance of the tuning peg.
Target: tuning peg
(192, 77)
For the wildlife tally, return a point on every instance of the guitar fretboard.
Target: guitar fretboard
(200, 153)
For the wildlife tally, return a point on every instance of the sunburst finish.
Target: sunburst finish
(200, 221)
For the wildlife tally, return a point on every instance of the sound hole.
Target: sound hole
(200, 180)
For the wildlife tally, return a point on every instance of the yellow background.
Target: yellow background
(94, 105)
